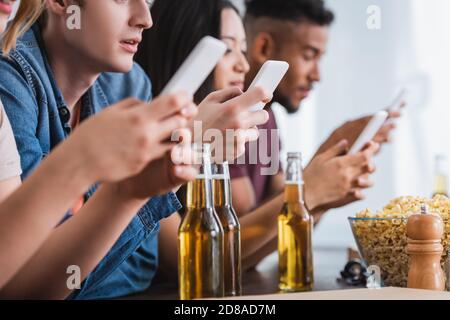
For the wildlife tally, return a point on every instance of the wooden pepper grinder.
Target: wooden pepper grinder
(424, 233)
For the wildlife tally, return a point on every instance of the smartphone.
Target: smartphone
(268, 78)
(197, 66)
(369, 131)
(399, 100)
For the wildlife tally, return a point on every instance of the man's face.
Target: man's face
(110, 33)
(303, 49)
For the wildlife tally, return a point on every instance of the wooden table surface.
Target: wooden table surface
(328, 262)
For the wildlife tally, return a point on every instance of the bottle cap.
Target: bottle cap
(294, 155)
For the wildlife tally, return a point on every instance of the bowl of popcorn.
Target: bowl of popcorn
(381, 236)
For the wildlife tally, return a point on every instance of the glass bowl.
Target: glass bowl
(382, 242)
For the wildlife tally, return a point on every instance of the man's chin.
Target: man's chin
(290, 106)
(122, 67)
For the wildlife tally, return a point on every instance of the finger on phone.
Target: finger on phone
(394, 114)
(250, 98)
(370, 148)
(257, 118)
(339, 149)
(224, 95)
(190, 111)
(169, 127)
(168, 105)
(362, 160)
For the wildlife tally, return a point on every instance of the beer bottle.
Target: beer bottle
(295, 226)
(200, 238)
(231, 228)
(440, 176)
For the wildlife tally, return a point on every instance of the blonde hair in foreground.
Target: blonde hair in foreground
(28, 12)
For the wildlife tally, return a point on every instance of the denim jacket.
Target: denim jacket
(40, 121)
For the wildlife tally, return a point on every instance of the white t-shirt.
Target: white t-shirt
(9, 156)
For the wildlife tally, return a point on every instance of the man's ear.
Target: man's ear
(263, 48)
(57, 7)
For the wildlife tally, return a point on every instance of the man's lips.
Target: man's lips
(305, 90)
(6, 6)
(130, 45)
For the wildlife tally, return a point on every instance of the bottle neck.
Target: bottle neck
(294, 171)
(294, 181)
(221, 184)
(199, 193)
(222, 191)
(293, 193)
(440, 185)
(440, 176)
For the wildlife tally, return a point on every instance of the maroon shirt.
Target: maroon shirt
(259, 157)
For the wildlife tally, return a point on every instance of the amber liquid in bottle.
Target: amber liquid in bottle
(200, 242)
(295, 226)
(231, 228)
(440, 176)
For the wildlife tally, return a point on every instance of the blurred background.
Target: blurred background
(363, 72)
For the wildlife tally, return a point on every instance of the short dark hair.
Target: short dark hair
(178, 26)
(293, 10)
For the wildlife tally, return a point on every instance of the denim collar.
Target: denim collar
(92, 102)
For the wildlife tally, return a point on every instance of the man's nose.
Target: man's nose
(142, 17)
(315, 74)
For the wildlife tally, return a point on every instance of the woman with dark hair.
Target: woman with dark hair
(179, 26)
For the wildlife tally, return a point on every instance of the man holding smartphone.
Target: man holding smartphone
(297, 31)
(57, 78)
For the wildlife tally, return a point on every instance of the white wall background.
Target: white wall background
(362, 73)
